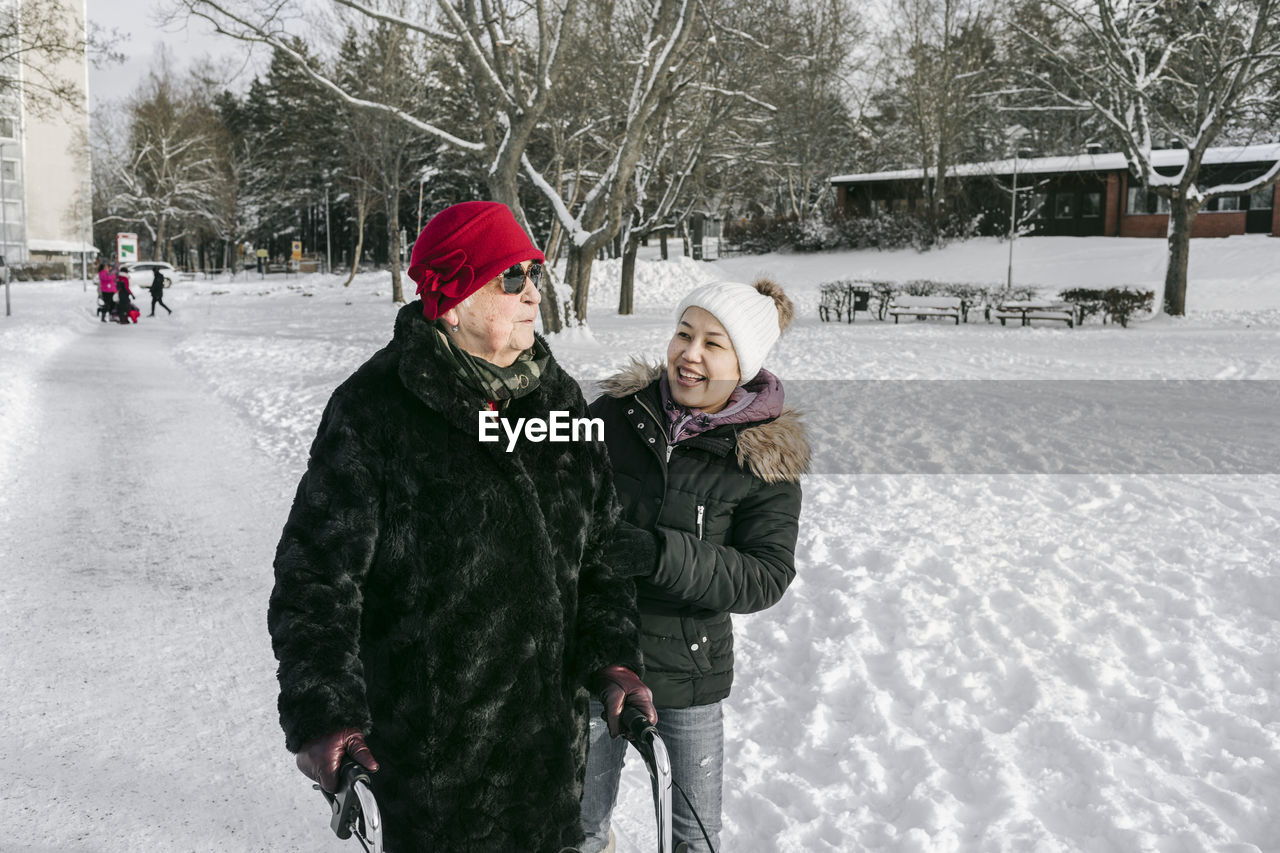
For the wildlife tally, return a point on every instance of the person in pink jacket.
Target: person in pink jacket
(106, 289)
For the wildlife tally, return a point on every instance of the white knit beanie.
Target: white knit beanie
(754, 317)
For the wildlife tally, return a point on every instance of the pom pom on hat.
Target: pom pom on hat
(462, 249)
(754, 315)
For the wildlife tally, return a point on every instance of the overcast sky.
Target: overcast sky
(139, 19)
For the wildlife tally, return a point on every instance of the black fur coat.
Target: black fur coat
(450, 599)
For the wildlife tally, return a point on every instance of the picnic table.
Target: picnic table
(922, 307)
(1026, 310)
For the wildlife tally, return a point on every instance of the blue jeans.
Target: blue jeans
(694, 738)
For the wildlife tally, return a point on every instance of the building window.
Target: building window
(1263, 199)
(9, 169)
(1064, 206)
(1226, 204)
(1142, 200)
(7, 128)
(1038, 205)
(899, 205)
(1092, 205)
(877, 206)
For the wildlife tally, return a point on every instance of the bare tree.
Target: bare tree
(36, 36)
(514, 54)
(652, 41)
(381, 151)
(159, 171)
(813, 54)
(510, 50)
(1163, 72)
(942, 50)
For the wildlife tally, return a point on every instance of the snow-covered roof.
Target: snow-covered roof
(61, 246)
(1113, 162)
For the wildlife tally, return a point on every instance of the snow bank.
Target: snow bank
(662, 283)
(29, 338)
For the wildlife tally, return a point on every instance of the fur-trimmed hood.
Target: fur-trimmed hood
(775, 451)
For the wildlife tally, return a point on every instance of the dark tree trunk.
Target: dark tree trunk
(577, 269)
(397, 283)
(663, 239)
(362, 208)
(626, 294)
(577, 274)
(550, 306)
(1182, 215)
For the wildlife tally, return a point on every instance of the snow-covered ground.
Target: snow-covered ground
(983, 660)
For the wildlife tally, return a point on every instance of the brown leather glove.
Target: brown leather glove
(320, 759)
(617, 686)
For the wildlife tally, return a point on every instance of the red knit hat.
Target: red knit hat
(464, 247)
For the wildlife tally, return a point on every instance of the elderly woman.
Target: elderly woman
(442, 605)
(708, 464)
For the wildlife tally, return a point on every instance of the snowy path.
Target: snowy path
(138, 688)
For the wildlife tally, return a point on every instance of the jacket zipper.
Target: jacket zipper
(670, 446)
(658, 423)
(701, 509)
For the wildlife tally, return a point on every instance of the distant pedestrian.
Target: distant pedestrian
(157, 292)
(126, 311)
(106, 291)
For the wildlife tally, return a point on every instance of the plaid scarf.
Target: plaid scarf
(495, 383)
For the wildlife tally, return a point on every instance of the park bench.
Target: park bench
(1026, 310)
(922, 307)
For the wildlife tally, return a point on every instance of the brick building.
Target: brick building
(1080, 195)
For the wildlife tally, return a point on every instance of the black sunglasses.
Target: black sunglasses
(513, 279)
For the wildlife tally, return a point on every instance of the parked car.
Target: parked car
(141, 272)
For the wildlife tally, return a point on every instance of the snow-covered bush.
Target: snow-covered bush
(1115, 303)
(816, 234)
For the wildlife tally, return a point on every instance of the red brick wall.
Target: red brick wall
(1150, 225)
(1218, 224)
(1206, 225)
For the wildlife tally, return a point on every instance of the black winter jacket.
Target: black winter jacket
(450, 599)
(725, 506)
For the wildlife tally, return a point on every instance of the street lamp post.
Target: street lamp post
(1013, 219)
(1013, 211)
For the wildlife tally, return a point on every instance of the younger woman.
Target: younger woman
(707, 465)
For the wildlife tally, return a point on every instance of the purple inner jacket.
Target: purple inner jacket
(757, 400)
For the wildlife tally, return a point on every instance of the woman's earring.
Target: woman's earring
(453, 328)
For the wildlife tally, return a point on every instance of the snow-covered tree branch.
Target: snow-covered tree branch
(1161, 74)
